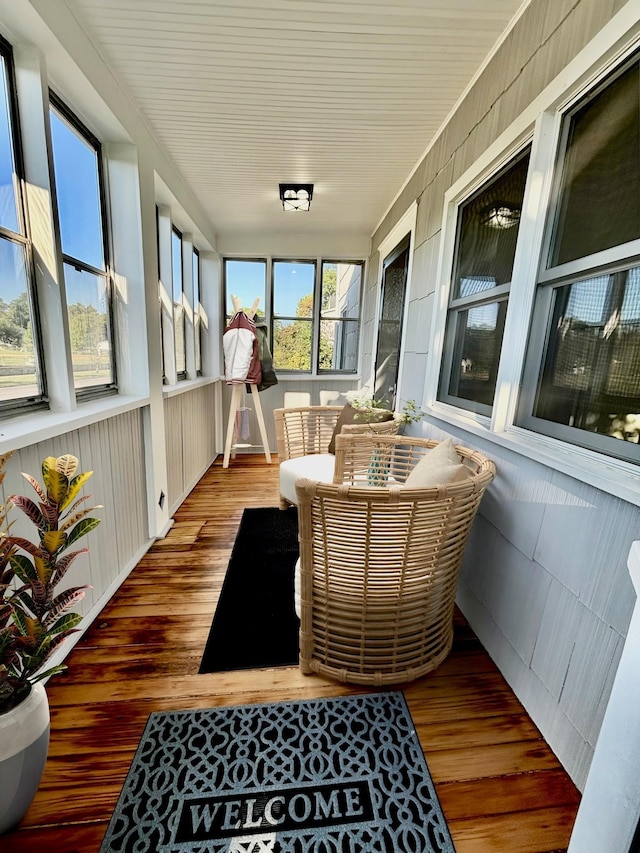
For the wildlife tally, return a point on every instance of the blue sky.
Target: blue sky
(291, 283)
(78, 194)
(247, 279)
(8, 213)
(79, 209)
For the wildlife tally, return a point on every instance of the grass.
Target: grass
(85, 365)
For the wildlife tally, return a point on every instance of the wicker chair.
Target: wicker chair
(379, 565)
(303, 434)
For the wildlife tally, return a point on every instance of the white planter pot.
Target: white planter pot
(24, 741)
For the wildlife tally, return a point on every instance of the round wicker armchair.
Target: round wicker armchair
(379, 564)
(305, 434)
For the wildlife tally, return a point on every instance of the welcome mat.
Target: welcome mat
(343, 775)
(255, 624)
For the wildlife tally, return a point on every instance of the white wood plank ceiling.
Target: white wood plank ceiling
(245, 94)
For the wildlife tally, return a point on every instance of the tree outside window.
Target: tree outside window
(78, 182)
(314, 323)
(293, 293)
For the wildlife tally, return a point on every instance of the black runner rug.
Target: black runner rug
(343, 775)
(255, 625)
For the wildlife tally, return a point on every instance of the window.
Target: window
(182, 317)
(246, 279)
(599, 198)
(293, 292)
(77, 169)
(315, 326)
(488, 226)
(177, 280)
(197, 316)
(341, 287)
(582, 375)
(21, 378)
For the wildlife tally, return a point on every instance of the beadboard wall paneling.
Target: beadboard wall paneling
(199, 453)
(173, 431)
(190, 439)
(113, 449)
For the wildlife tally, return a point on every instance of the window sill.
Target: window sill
(186, 385)
(323, 377)
(33, 427)
(613, 476)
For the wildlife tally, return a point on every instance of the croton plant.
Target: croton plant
(34, 617)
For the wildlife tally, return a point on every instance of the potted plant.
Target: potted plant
(367, 409)
(34, 621)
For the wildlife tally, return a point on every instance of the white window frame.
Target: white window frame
(312, 320)
(177, 233)
(68, 116)
(194, 312)
(541, 122)
(131, 184)
(201, 319)
(405, 225)
(21, 238)
(492, 296)
(346, 322)
(622, 256)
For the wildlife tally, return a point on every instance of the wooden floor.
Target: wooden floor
(501, 788)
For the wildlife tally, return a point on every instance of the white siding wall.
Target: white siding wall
(544, 582)
(545, 586)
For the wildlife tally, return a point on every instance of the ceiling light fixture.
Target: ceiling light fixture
(296, 196)
(500, 216)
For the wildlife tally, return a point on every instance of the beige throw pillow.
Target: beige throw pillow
(439, 466)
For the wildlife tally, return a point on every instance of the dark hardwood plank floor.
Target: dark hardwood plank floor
(501, 788)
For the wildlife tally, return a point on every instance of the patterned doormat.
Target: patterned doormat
(343, 775)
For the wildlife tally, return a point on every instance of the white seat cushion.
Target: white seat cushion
(317, 466)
